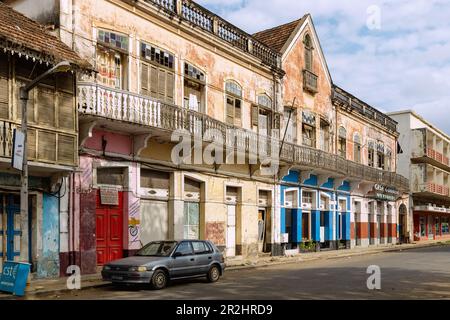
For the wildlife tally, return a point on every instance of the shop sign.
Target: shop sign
(14, 277)
(385, 193)
(18, 149)
(109, 196)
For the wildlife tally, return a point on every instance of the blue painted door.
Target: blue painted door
(10, 227)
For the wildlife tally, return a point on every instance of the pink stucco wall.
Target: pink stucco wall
(116, 143)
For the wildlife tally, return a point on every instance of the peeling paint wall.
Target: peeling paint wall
(293, 65)
(367, 133)
(48, 260)
(217, 65)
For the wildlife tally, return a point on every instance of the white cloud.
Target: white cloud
(405, 65)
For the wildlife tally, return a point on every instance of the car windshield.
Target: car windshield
(157, 249)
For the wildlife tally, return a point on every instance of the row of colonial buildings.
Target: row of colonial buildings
(321, 167)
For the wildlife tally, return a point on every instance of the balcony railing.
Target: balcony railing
(6, 138)
(100, 101)
(310, 81)
(202, 18)
(435, 188)
(423, 147)
(346, 100)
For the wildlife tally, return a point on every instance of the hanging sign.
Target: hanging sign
(14, 277)
(18, 149)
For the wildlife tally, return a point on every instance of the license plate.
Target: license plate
(117, 278)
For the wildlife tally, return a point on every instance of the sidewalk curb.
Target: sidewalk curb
(97, 283)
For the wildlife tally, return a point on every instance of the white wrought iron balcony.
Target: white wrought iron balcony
(99, 101)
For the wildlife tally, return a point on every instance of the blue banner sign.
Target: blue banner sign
(14, 277)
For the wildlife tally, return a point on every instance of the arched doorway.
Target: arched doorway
(403, 224)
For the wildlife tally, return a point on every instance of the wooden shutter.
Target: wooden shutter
(47, 146)
(31, 140)
(162, 84)
(4, 88)
(238, 112)
(255, 113)
(230, 111)
(308, 59)
(46, 107)
(170, 91)
(66, 149)
(65, 82)
(66, 109)
(154, 82)
(145, 89)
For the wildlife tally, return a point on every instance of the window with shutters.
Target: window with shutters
(308, 53)
(46, 106)
(388, 159)
(66, 111)
(262, 115)
(47, 146)
(309, 135)
(66, 149)
(4, 88)
(112, 54)
(342, 142)
(290, 125)
(357, 148)
(157, 73)
(194, 88)
(234, 103)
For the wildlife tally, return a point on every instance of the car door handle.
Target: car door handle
(192, 259)
(210, 258)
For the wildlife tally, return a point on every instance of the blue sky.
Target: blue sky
(394, 55)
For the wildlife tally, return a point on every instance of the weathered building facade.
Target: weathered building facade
(350, 195)
(165, 66)
(425, 161)
(26, 51)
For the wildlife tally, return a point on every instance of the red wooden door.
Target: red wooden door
(109, 231)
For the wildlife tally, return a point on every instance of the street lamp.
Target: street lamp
(24, 91)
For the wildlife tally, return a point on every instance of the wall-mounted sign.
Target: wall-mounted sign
(14, 277)
(18, 148)
(382, 192)
(109, 196)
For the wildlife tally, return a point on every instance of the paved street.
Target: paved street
(413, 274)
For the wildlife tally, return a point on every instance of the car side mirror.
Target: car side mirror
(177, 254)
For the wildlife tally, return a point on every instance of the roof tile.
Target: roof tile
(277, 37)
(20, 30)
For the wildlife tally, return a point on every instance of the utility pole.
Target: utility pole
(24, 96)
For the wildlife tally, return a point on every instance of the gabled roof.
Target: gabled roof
(277, 37)
(27, 37)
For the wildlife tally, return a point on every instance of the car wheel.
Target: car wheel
(159, 280)
(213, 274)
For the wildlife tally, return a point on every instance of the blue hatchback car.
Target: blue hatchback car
(161, 261)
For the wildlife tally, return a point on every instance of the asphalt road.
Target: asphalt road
(411, 274)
